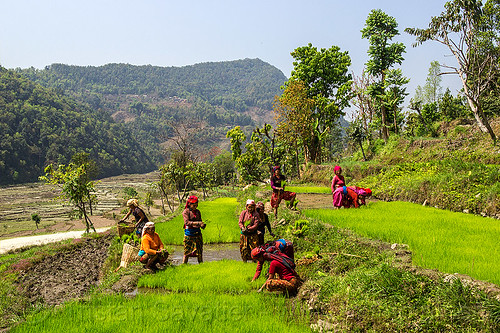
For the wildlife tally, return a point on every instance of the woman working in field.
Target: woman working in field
(193, 239)
(279, 192)
(264, 222)
(282, 275)
(281, 246)
(337, 182)
(248, 222)
(140, 217)
(152, 248)
(351, 196)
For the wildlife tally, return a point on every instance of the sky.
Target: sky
(37, 33)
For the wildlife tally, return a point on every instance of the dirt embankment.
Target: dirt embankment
(66, 275)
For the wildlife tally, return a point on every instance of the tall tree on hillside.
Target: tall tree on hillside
(363, 101)
(471, 32)
(294, 117)
(380, 29)
(432, 89)
(325, 75)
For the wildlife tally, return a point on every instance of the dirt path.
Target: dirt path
(20, 242)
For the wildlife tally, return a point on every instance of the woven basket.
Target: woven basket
(129, 255)
(125, 229)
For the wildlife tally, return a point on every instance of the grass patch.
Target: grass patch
(225, 276)
(220, 217)
(448, 241)
(306, 189)
(309, 189)
(205, 312)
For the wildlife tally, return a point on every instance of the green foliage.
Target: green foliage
(327, 82)
(129, 193)
(300, 228)
(151, 101)
(131, 239)
(253, 164)
(387, 90)
(75, 186)
(36, 218)
(40, 126)
(355, 281)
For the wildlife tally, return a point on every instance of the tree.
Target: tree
(380, 29)
(363, 101)
(471, 34)
(255, 161)
(36, 218)
(357, 134)
(432, 88)
(294, 117)
(325, 76)
(75, 186)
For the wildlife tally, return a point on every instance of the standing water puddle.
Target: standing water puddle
(211, 252)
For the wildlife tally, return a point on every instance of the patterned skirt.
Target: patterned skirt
(277, 196)
(247, 244)
(285, 286)
(192, 244)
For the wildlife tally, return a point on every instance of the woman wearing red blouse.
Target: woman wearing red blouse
(282, 276)
(248, 222)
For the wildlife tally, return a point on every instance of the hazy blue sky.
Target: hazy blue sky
(184, 32)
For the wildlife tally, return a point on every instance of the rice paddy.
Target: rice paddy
(307, 189)
(220, 216)
(198, 309)
(448, 241)
(206, 278)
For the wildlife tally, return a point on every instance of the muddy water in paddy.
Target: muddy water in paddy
(211, 252)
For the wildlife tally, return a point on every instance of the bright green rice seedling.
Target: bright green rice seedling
(204, 312)
(226, 276)
(220, 217)
(309, 189)
(447, 241)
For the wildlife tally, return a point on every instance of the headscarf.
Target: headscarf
(256, 252)
(250, 202)
(191, 199)
(147, 226)
(133, 202)
(276, 167)
(336, 168)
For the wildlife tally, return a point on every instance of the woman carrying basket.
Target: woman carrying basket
(140, 217)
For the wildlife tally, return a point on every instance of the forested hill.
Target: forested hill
(39, 126)
(235, 85)
(156, 103)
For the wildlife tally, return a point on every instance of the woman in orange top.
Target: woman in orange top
(152, 245)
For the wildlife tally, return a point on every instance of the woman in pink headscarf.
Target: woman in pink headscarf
(337, 182)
